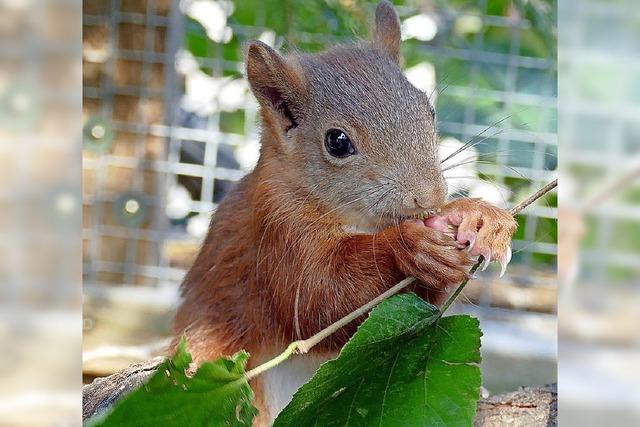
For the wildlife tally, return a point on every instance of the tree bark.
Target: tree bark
(104, 392)
(527, 407)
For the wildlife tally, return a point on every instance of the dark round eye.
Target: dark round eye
(338, 143)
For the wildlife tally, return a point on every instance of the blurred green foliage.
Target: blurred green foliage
(312, 25)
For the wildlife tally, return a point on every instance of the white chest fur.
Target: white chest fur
(282, 381)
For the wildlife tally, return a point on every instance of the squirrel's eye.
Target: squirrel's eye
(338, 143)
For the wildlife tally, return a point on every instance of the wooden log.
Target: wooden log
(103, 392)
(527, 407)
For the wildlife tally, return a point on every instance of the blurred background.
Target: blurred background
(170, 125)
(40, 212)
(599, 218)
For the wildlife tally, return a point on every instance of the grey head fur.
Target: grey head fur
(361, 90)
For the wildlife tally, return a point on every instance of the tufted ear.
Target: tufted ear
(277, 84)
(387, 31)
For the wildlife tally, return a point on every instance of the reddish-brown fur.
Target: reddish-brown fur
(280, 262)
(277, 267)
(271, 246)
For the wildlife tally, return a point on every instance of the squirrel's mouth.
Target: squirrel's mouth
(391, 219)
(426, 214)
(420, 215)
(375, 223)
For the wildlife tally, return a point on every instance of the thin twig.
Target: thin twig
(303, 346)
(273, 362)
(532, 198)
(461, 286)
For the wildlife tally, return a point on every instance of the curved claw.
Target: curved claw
(471, 243)
(503, 266)
(504, 261)
(485, 263)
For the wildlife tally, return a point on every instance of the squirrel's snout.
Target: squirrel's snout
(415, 203)
(420, 202)
(426, 198)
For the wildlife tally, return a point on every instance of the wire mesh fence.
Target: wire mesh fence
(170, 123)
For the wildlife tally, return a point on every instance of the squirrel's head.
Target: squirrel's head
(349, 127)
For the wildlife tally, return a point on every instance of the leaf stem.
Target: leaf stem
(460, 287)
(273, 362)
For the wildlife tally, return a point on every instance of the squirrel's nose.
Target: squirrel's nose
(430, 198)
(420, 203)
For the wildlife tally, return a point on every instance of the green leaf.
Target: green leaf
(406, 365)
(216, 395)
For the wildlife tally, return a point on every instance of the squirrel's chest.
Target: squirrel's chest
(280, 383)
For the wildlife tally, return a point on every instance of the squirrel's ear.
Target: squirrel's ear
(277, 84)
(387, 32)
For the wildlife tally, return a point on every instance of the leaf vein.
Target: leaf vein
(386, 388)
(353, 401)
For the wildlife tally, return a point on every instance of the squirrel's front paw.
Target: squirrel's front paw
(430, 256)
(483, 228)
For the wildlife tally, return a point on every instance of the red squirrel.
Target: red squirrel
(326, 220)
